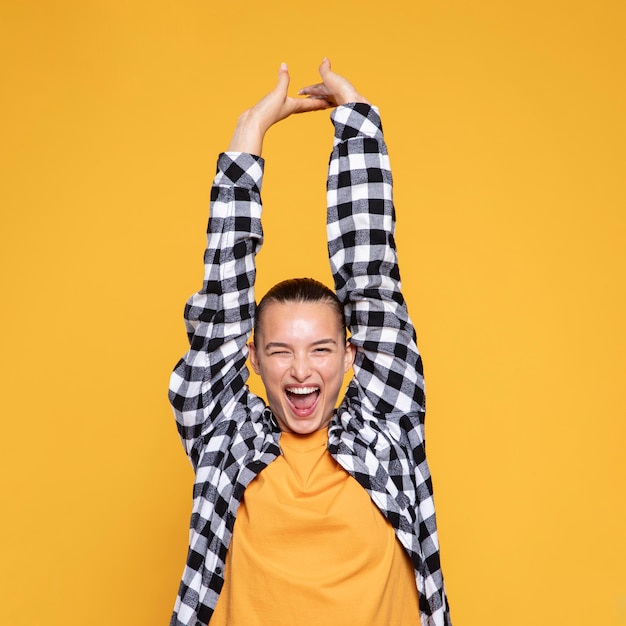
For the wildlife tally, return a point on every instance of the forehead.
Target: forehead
(306, 320)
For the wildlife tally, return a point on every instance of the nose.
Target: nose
(300, 368)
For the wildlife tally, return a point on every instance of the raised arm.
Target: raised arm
(361, 226)
(210, 379)
(362, 250)
(212, 374)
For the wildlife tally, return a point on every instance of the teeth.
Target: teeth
(302, 391)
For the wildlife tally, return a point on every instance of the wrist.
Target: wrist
(352, 97)
(248, 135)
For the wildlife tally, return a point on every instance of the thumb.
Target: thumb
(324, 68)
(283, 78)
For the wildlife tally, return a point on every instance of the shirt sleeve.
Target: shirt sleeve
(361, 245)
(211, 377)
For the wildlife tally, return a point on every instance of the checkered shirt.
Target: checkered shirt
(377, 432)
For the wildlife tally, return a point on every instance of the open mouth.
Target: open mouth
(303, 400)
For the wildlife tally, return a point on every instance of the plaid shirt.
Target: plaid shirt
(376, 434)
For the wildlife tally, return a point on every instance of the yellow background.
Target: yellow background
(507, 131)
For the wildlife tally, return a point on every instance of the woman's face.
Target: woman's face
(301, 355)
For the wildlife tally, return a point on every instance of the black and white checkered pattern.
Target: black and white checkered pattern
(377, 433)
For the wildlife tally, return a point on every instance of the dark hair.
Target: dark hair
(299, 290)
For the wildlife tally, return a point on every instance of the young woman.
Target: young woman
(305, 514)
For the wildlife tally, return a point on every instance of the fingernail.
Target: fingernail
(283, 66)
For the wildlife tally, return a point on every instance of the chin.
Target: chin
(302, 426)
(306, 429)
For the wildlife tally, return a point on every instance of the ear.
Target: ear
(254, 357)
(349, 355)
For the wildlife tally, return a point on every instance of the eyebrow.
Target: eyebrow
(280, 344)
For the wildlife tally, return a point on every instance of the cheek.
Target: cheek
(272, 372)
(336, 370)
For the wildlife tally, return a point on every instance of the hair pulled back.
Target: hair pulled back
(299, 290)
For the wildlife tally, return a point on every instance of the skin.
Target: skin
(301, 347)
(254, 122)
(301, 356)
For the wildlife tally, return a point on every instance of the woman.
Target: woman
(306, 514)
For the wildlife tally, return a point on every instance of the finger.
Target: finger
(282, 83)
(324, 68)
(316, 89)
(313, 103)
